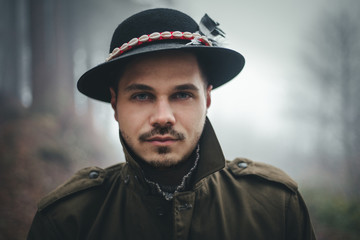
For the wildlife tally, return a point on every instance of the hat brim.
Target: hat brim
(220, 66)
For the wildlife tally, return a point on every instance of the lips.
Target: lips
(162, 140)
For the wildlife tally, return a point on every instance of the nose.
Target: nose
(162, 114)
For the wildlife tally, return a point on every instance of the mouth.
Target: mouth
(161, 140)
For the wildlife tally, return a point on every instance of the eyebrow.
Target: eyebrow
(135, 86)
(187, 87)
(144, 87)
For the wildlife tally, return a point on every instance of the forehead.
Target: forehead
(170, 67)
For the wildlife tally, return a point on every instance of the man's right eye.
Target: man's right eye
(141, 97)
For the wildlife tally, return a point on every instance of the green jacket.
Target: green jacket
(240, 199)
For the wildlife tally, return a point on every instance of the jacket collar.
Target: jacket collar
(211, 155)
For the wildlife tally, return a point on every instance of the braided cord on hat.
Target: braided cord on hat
(194, 38)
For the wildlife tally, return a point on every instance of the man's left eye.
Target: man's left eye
(182, 95)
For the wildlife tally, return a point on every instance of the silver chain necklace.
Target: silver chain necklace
(167, 195)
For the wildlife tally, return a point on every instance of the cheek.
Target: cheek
(131, 121)
(192, 119)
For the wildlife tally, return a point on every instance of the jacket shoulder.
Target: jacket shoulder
(84, 179)
(246, 167)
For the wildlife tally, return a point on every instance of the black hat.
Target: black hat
(157, 30)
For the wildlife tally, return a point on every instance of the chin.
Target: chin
(165, 163)
(164, 160)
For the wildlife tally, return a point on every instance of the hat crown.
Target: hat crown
(150, 21)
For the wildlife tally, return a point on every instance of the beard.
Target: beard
(164, 157)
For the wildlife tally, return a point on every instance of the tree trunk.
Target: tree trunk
(52, 65)
(9, 79)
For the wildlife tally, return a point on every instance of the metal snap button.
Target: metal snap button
(94, 174)
(242, 165)
(186, 206)
(127, 179)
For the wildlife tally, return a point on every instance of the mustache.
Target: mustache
(162, 131)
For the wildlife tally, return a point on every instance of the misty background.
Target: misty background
(295, 105)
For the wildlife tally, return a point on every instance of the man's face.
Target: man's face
(161, 106)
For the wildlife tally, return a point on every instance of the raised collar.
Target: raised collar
(211, 155)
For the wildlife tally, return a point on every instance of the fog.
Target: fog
(294, 105)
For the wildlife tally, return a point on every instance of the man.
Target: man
(175, 183)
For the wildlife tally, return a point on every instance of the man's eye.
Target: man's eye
(141, 97)
(182, 95)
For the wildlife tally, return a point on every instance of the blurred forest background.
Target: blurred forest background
(295, 105)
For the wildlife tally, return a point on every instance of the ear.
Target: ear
(113, 102)
(208, 96)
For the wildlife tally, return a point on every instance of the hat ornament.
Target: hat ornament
(210, 29)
